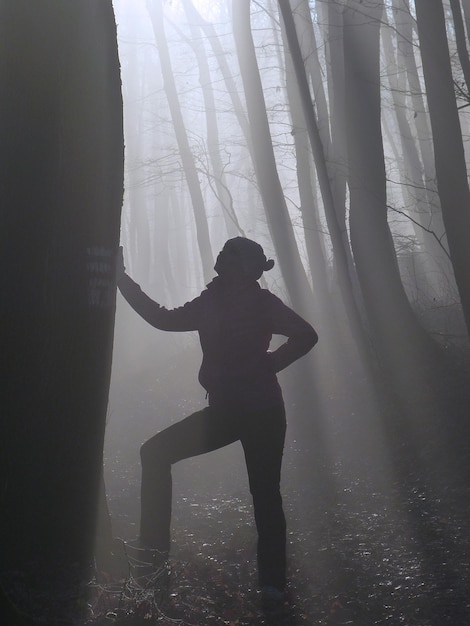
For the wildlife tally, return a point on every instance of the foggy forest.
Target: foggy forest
(334, 133)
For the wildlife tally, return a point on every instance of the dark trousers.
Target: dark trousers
(262, 436)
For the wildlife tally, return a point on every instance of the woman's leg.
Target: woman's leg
(201, 432)
(263, 442)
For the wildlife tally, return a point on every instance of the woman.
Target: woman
(235, 319)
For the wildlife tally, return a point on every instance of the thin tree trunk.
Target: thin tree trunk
(405, 26)
(341, 261)
(210, 109)
(335, 81)
(466, 14)
(138, 242)
(221, 55)
(202, 229)
(412, 173)
(460, 41)
(399, 338)
(302, 16)
(265, 165)
(337, 156)
(231, 88)
(308, 203)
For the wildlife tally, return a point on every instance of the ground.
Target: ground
(378, 533)
(372, 540)
(350, 562)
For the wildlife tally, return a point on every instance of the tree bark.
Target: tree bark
(451, 170)
(61, 180)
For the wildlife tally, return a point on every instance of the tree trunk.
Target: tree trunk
(265, 165)
(429, 231)
(337, 156)
(466, 14)
(404, 24)
(340, 255)
(314, 243)
(460, 41)
(61, 172)
(451, 170)
(302, 16)
(213, 144)
(399, 338)
(187, 158)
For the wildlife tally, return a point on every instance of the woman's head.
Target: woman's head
(242, 258)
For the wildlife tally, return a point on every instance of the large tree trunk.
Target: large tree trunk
(61, 173)
(451, 170)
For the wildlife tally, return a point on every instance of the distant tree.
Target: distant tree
(197, 42)
(314, 243)
(264, 163)
(466, 13)
(333, 218)
(419, 201)
(138, 242)
(61, 180)
(187, 158)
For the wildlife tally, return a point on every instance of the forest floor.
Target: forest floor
(375, 536)
(378, 526)
(401, 558)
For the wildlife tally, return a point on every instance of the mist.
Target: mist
(334, 134)
(332, 168)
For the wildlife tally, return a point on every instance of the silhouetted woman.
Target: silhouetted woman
(235, 319)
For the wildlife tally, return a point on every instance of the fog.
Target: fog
(334, 134)
(362, 251)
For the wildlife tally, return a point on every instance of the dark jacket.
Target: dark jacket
(235, 329)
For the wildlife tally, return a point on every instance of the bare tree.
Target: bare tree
(202, 229)
(338, 244)
(429, 230)
(271, 191)
(400, 339)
